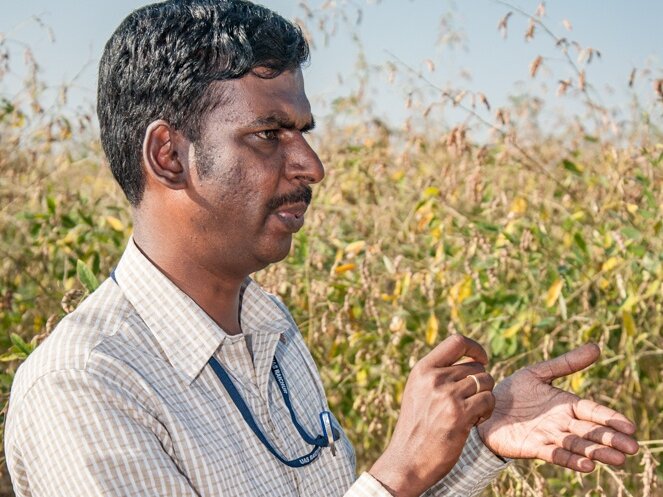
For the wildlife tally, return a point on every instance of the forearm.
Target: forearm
(475, 469)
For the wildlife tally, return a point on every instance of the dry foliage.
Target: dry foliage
(531, 242)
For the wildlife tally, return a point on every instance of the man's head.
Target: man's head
(203, 113)
(162, 60)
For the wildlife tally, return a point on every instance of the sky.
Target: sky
(402, 32)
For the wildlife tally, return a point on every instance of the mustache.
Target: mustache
(301, 194)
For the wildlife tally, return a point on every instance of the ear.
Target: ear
(165, 153)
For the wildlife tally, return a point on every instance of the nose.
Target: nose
(302, 163)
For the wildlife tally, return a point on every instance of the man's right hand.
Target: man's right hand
(441, 404)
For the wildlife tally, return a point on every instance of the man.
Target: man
(179, 376)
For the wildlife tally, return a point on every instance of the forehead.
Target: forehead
(250, 97)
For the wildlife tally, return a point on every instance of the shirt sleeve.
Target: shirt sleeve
(73, 434)
(475, 469)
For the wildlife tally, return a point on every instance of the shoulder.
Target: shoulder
(84, 369)
(99, 331)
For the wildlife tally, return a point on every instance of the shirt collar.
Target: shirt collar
(186, 333)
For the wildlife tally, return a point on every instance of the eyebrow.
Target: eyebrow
(278, 121)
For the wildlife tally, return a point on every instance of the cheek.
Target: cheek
(239, 196)
(238, 183)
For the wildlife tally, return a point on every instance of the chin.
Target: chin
(275, 252)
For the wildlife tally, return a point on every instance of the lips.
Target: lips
(291, 216)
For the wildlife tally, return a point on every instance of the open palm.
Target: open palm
(533, 419)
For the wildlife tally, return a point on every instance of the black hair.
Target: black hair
(161, 61)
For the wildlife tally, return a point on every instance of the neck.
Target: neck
(216, 293)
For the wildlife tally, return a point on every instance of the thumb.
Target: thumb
(453, 348)
(566, 364)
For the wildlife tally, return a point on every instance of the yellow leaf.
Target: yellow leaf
(432, 328)
(576, 382)
(629, 323)
(455, 316)
(399, 387)
(355, 248)
(502, 241)
(554, 292)
(362, 378)
(610, 264)
(519, 206)
(424, 219)
(69, 283)
(578, 215)
(115, 223)
(512, 330)
(404, 285)
(461, 290)
(344, 268)
(465, 290)
(431, 191)
(607, 241)
(630, 302)
(511, 228)
(652, 289)
(632, 208)
(71, 237)
(354, 339)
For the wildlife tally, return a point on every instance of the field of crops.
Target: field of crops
(531, 243)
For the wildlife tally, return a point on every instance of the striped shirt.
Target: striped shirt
(120, 401)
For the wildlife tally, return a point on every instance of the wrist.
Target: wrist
(397, 480)
(482, 431)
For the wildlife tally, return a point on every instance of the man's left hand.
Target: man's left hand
(533, 419)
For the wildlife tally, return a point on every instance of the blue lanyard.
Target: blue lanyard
(325, 440)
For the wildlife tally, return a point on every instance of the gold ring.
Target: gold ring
(476, 381)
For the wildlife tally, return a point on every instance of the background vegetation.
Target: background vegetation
(529, 240)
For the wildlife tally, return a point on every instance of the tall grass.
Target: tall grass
(530, 242)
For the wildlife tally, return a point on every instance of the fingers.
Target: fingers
(460, 371)
(604, 435)
(588, 410)
(592, 450)
(566, 364)
(480, 406)
(483, 383)
(452, 349)
(566, 459)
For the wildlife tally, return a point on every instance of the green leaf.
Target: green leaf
(50, 202)
(580, 242)
(86, 276)
(631, 232)
(12, 356)
(20, 344)
(572, 167)
(6, 379)
(68, 221)
(487, 227)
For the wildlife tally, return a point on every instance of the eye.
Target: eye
(268, 134)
